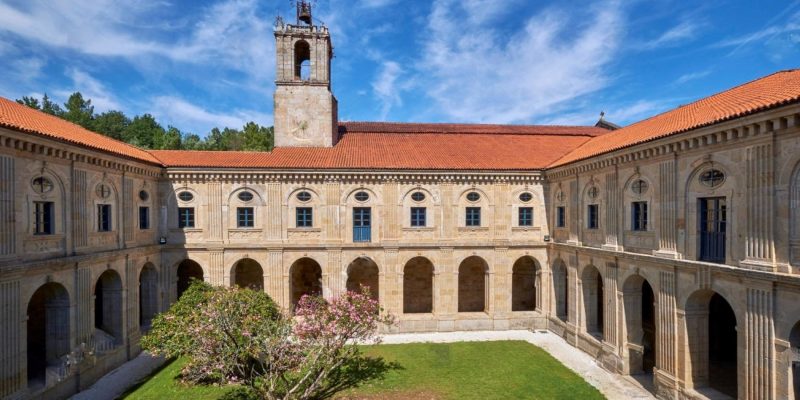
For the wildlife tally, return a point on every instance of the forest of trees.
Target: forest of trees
(144, 131)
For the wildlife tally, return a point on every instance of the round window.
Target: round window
(473, 196)
(362, 196)
(594, 192)
(42, 185)
(185, 196)
(639, 186)
(712, 178)
(418, 196)
(143, 195)
(525, 197)
(103, 191)
(245, 196)
(304, 196)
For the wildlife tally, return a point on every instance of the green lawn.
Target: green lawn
(468, 370)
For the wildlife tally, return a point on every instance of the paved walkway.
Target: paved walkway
(613, 386)
(116, 382)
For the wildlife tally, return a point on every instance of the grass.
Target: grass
(467, 370)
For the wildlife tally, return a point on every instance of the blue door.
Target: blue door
(713, 223)
(362, 224)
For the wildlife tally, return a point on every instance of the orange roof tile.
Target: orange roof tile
(770, 91)
(23, 118)
(378, 146)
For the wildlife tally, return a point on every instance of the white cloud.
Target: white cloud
(385, 87)
(189, 117)
(474, 73)
(376, 3)
(686, 30)
(90, 88)
(692, 76)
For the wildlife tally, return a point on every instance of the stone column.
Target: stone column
(130, 294)
(391, 282)
(12, 348)
(334, 275)
(218, 272)
(610, 299)
(667, 216)
(759, 252)
(759, 362)
(445, 284)
(7, 185)
(499, 290)
(666, 324)
(84, 317)
(277, 285)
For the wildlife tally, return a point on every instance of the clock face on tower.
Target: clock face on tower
(299, 127)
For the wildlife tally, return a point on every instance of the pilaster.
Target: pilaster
(218, 273)
(215, 215)
(7, 195)
(759, 252)
(667, 216)
(276, 282)
(12, 351)
(759, 351)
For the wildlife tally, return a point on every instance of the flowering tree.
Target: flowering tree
(232, 335)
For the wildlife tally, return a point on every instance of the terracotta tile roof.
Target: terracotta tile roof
(770, 91)
(23, 118)
(390, 146)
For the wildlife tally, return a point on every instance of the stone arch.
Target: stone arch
(418, 286)
(640, 324)
(302, 60)
(794, 364)
(712, 363)
(148, 295)
(524, 284)
(108, 307)
(248, 274)
(592, 283)
(188, 270)
(363, 271)
(305, 278)
(697, 197)
(473, 281)
(560, 289)
(48, 329)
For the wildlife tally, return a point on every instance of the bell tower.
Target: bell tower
(305, 110)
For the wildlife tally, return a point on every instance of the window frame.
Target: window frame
(245, 217)
(186, 221)
(304, 217)
(639, 216)
(104, 218)
(525, 216)
(472, 217)
(561, 216)
(43, 221)
(592, 216)
(144, 216)
(419, 220)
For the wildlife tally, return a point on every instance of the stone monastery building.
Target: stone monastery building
(669, 247)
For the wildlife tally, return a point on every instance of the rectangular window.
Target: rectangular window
(473, 216)
(593, 216)
(104, 217)
(362, 224)
(305, 217)
(713, 222)
(417, 216)
(525, 216)
(561, 216)
(245, 217)
(185, 217)
(43, 218)
(144, 217)
(639, 215)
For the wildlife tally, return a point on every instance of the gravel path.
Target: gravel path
(613, 386)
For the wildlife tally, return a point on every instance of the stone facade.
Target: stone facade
(677, 257)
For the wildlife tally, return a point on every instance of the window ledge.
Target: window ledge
(244, 230)
(472, 228)
(312, 229)
(186, 230)
(526, 228)
(418, 228)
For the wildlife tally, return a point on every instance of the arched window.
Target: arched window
(302, 60)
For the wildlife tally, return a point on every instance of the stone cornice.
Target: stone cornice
(53, 148)
(776, 121)
(197, 175)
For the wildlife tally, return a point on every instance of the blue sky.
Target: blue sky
(196, 65)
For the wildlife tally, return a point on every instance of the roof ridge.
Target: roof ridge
(466, 124)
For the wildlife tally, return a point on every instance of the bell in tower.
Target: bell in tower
(304, 12)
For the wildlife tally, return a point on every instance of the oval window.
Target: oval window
(304, 196)
(712, 178)
(362, 196)
(473, 196)
(525, 197)
(103, 191)
(42, 185)
(594, 192)
(143, 195)
(639, 186)
(418, 196)
(245, 196)
(185, 196)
